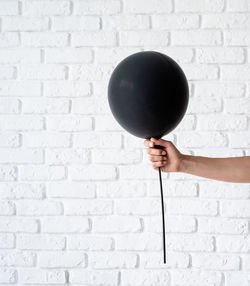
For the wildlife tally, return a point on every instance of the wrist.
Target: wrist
(185, 163)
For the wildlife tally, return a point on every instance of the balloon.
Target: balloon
(148, 94)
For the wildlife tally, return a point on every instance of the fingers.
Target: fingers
(159, 164)
(157, 158)
(158, 152)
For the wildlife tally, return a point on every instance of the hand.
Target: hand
(168, 158)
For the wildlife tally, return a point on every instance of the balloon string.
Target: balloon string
(163, 219)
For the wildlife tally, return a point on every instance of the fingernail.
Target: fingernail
(151, 144)
(163, 153)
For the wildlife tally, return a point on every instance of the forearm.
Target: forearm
(233, 169)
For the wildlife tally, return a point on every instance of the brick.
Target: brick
(116, 224)
(22, 56)
(196, 277)
(144, 38)
(44, 39)
(40, 242)
(106, 123)
(41, 173)
(89, 242)
(239, 106)
(223, 190)
(148, 7)
(75, 23)
(62, 224)
(152, 260)
(7, 208)
(137, 207)
(240, 6)
(46, 139)
(8, 275)
(25, 24)
(71, 190)
(107, 277)
(45, 8)
(69, 122)
(17, 258)
(239, 208)
(173, 224)
(97, 140)
(239, 72)
(38, 208)
(192, 207)
(9, 40)
(232, 278)
(92, 172)
(116, 156)
(9, 139)
(8, 8)
(201, 139)
(67, 55)
(18, 190)
(245, 262)
(8, 173)
(98, 7)
(9, 106)
(221, 122)
(237, 38)
(175, 22)
(218, 225)
(196, 38)
(42, 72)
(235, 243)
(62, 259)
(174, 189)
(88, 207)
(110, 55)
(18, 224)
(139, 171)
(220, 55)
(128, 22)
(21, 156)
(66, 89)
(239, 139)
(225, 90)
(67, 156)
(20, 88)
(121, 189)
(7, 241)
(138, 242)
(200, 72)
(7, 72)
(90, 105)
(190, 242)
(45, 106)
(109, 260)
(226, 21)
(91, 72)
(199, 6)
(145, 277)
(96, 38)
(33, 276)
(215, 261)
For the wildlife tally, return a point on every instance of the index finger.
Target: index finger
(148, 143)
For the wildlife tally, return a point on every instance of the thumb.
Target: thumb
(160, 142)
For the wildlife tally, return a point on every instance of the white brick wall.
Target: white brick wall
(79, 201)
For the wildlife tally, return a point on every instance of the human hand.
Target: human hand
(168, 157)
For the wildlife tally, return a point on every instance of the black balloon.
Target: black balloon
(148, 94)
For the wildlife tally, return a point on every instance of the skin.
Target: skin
(170, 159)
